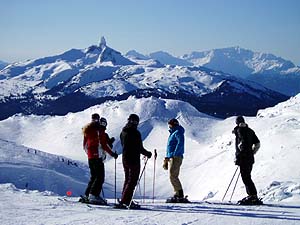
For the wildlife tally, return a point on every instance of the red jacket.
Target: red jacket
(95, 141)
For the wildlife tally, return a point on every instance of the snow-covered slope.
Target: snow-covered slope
(240, 61)
(31, 207)
(136, 55)
(208, 163)
(51, 71)
(166, 58)
(205, 89)
(267, 69)
(28, 168)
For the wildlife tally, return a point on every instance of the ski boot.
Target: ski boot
(250, 200)
(97, 200)
(84, 199)
(121, 205)
(176, 199)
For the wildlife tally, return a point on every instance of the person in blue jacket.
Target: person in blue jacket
(174, 156)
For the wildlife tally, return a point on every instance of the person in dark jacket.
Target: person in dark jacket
(95, 144)
(131, 142)
(246, 145)
(174, 156)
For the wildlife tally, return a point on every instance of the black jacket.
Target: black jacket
(245, 138)
(131, 142)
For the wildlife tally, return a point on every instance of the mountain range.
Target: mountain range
(79, 78)
(267, 69)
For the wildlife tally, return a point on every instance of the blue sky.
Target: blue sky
(37, 28)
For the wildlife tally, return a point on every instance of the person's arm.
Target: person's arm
(84, 144)
(105, 146)
(256, 143)
(143, 151)
(180, 144)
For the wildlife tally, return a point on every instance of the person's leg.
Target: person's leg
(175, 164)
(98, 181)
(132, 178)
(246, 177)
(92, 177)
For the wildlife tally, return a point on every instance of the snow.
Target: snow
(32, 207)
(208, 140)
(100, 71)
(206, 171)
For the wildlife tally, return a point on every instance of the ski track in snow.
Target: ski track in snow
(32, 207)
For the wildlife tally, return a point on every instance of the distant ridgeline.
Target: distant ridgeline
(80, 78)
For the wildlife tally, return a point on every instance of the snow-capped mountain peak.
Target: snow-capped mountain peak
(102, 43)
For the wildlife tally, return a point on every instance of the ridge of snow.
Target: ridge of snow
(136, 55)
(168, 59)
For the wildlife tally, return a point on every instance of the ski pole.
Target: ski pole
(144, 194)
(235, 186)
(115, 180)
(138, 182)
(153, 188)
(103, 193)
(230, 183)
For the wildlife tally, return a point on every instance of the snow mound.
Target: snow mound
(282, 191)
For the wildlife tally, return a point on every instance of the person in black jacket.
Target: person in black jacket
(131, 142)
(246, 145)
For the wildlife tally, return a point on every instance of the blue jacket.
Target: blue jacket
(175, 146)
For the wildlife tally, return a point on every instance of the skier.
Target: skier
(131, 142)
(95, 144)
(246, 144)
(174, 156)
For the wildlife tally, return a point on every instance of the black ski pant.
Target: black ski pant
(132, 173)
(97, 177)
(246, 169)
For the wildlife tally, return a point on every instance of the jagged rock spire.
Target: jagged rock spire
(102, 43)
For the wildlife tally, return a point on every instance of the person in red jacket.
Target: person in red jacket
(95, 144)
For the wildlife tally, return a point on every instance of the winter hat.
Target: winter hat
(95, 117)
(173, 122)
(239, 119)
(134, 119)
(103, 122)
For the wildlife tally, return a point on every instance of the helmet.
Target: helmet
(134, 119)
(95, 117)
(239, 119)
(173, 122)
(103, 122)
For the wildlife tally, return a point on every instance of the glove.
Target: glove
(148, 154)
(255, 147)
(115, 155)
(237, 160)
(111, 141)
(165, 164)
